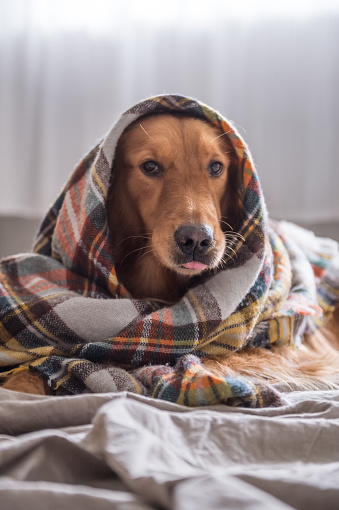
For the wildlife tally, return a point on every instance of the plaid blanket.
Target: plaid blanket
(65, 314)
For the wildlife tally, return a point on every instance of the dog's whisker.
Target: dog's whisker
(230, 234)
(231, 249)
(144, 130)
(148, 252)
(134, 251)
(133, 237)
(233, 242)
(219, 136)
(223, 263)
(222, 221)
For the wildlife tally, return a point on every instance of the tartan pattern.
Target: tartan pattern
(65, 314)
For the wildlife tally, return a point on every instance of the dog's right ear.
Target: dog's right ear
(123, 220)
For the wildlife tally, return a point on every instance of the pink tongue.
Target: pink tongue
(195, 265)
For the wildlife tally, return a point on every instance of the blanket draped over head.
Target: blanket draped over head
(65, 314)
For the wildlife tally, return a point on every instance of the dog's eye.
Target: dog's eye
(150, 168)
(216, 168)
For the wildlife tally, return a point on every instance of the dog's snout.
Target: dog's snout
(194, 239)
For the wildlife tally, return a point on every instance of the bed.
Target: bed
(128, 451)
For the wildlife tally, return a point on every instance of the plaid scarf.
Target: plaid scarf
(65, 314)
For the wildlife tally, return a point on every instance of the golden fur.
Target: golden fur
(147, 210)
(174, 201)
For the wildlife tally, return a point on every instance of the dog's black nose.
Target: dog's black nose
(194, 239)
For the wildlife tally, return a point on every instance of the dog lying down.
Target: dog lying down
(179, 225)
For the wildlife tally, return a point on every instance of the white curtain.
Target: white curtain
(68, 68)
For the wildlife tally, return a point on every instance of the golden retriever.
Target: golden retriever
(172, 213)
(174, 185)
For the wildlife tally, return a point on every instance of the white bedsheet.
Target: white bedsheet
(128, 452)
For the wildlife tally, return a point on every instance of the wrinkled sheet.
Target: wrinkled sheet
(123, 451)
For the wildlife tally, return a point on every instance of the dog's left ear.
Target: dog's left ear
(231, 204)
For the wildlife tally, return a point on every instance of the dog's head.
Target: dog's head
(175, 187)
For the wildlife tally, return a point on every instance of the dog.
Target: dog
(177, 199)
(173, 211)
(175, 183)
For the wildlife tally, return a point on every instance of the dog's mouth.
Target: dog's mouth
(195, 265)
